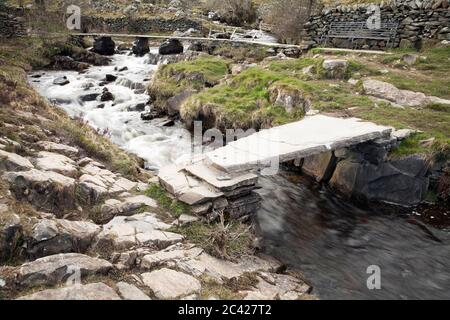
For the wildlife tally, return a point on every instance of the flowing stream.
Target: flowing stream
(330, 240)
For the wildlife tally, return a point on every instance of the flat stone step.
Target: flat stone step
(310, 136)
(221, 179)
(187, 188)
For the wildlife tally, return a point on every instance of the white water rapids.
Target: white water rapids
(156, 144)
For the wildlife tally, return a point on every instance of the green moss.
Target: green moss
(174, 78)
(175, 207)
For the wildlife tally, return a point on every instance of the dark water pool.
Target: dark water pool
(333, 242)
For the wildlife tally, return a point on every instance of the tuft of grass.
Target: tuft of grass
(175, 207)
(230, 241)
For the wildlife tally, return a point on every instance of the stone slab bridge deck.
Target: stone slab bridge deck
(224, 180)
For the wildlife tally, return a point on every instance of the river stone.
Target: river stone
(93, 291)
(52, 236)
(62, 81)
(141, 47)
(55, 269)
(130, 292)
(168, 284)
(59, 163)
(104, 46)
(46, 190)
(320, 167)
(58, 148)
(13, 162)
(141, 229)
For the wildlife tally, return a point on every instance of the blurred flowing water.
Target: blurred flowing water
(330, 240)
(333, 242)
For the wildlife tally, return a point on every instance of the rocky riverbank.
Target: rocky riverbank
(81, 219)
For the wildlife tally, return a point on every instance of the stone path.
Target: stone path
(79, 258)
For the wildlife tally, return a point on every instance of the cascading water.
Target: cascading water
(332, 241)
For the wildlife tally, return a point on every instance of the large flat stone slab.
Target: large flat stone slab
(221, 179)
(57, 268)
(13, 162)
(310, 136)
(185, 187)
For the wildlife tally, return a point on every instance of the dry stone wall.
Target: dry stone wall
(419, 21)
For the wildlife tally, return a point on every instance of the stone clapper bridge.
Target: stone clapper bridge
(224, 180)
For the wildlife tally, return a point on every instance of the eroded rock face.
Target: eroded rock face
(127, 207)
(93, 291)
(53, 236)
(58, 268)
(402, 181)
(169, 284)
(290, 99)
(320, 166)
(335, 69)
(46, 190)
(13, 162)
(10, 233)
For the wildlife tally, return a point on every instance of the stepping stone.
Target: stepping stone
(130, 292)
(55, 269)
(14, 162)
(93, 291)
(168, 284)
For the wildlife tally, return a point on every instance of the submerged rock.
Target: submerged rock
(62, 81)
